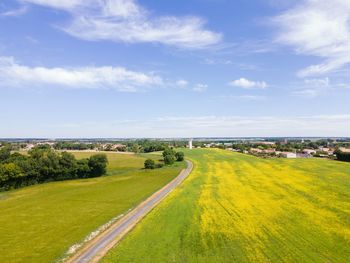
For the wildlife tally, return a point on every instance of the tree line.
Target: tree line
(136, 146)
(342, 156)
(169, 157)
(65, 145)
(42, 164)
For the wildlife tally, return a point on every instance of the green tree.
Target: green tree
(150, 164)
(168, 151)
(180, 156)
(68, 166)
(10, 171)
(169, 159)
(5, 153)
(342, 156)
(135, 148)
(48, 165)
(98, 164)
(83, 168)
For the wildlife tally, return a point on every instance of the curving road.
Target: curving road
(99, 246)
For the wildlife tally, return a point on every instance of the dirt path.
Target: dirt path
(98, 247)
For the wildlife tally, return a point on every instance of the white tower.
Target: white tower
(190, 146)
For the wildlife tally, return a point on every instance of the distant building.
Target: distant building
(327, 150)
(344, 150)
(304, 155)
(29, 146)
(284, 142)
(309, 151)
(288, 155)
(323, 155)
(324, 149)
(269, 151)
(190, 146)
(255, 150)
(266, 143)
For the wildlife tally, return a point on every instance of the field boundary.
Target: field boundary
(98, 247)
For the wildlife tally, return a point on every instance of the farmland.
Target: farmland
(39, 223)
(239, 208)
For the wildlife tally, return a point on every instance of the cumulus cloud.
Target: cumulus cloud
(248, 84)
(318, 28)
(126, 21)
(16, 75)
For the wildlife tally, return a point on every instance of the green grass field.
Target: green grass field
(39, 223)
(238, 208)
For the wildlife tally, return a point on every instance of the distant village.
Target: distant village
(285, 149)
(265, 148)
(272, 151)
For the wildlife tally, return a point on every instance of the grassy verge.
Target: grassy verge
(39, 223)
(238, 208)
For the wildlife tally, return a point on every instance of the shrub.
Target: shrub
(150, 164)
(169, 159)
(98, 165)
(180, 156)
(343, 156)
(83, 168)
(159, 165)
(168, 151)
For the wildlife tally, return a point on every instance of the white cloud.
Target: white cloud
(318, 28)
(209, 61)
(16, 75)
(311, 88)
(308, 92)
(15, 12)
(200, 87)
(318, 82)
(248, 84)
(245, 97)
(182, 83)
(126, 21)
(68, 5)
(249, 97)
(32, 40)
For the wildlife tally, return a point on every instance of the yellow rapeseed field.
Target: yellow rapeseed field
(239, 208)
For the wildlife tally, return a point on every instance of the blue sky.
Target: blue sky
(127, 68)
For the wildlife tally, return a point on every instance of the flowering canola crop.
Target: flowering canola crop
(239, 208)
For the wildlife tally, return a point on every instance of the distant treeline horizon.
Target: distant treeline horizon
(106, 140)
